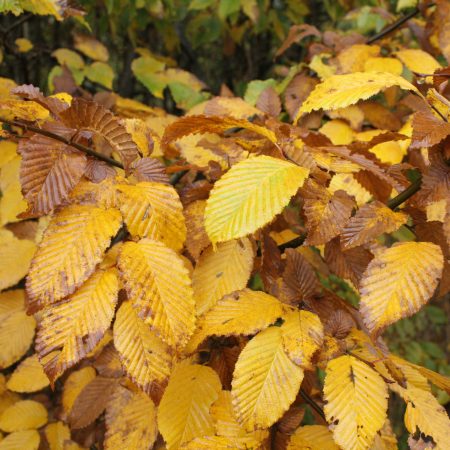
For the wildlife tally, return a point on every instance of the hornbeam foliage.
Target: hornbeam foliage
(227, 279)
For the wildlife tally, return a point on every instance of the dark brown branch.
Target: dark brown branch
(312, 403)
(62, 139)
(405, 195)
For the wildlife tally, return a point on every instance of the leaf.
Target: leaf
(197, 239)
(145, 357)
(356, 399)
(262, 186)
(70, 329)
(265, 381)
(57, 434)
(74, 384)
(221, 443)
(72, 246)
(16, 328)
(244, 312)
(101, 73)
(326, 213)
(312, 437)
(91, 402)
(15, 258)
(130, 421)
(153, 210)
(415, 267)
(302, 335)
(369, 222)
(159, 286)
(428, 130)
(91, 47)
(269, 102)
(339, 91)
(211, 124)
(183, 413)
(27, 439)
(221, 271)
(150, 169)
(23, 415)
(29, 376)
(84, 115)
(418, 61)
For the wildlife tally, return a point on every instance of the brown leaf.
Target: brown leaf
(299, 279)
(442, 21)
(378, 188)
(199, 190)
(108, 363)
(435, 182)
(348, 264)
(150, 169)
(269, 102)
(326, 213)
(30, 92)
(97, 171)
(197, 239)
(271, 264)
(85, 115)
(339, 324)
(379, 116)
(369, 222)
(91, 401)
(296, 34)
(223, 360)
(428, 130)
(297, 92)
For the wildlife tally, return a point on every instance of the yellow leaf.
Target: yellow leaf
(153, 210)
(73, 327)
(69, 58)
(16, 328)
(265, 381)
(7, 399)
(197, 239)
(353, 58)
(416, 268)
(12, 202)
(23, 45)
(91, 47)
(130, 421)
(57, 434)
(29, 376)
(356, 399)
(338, 132)
(390, 152)
(22, 110)
(140, 132)
(144, 356)
(23, 440)
(260, 188)
(378, 64)
(221, 443)
(312, 437)
(8, 151)
(347, 182)
(15, 258)
(73, 244)
(183, 413)
(418, 61)
(302, 335)
(159, 286)
(339, 91)
(244, 312)
(23, 415)
(221, 271)
(74, 384)
(192, 150)
(101, 73)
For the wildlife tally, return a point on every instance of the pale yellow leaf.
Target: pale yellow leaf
(145, 357)
(244, 312)
(8, 151)
(347, 182)
(12, 202)
(221, 271)
(57, 434)
(29, 376)
(339, 91)
(416, 268)
(312, 437)
(379, 64)
(153, 210)
(302, 335)
(183, 413)
(159, 286)
(418, 61)
(353, 58)
(250, 195)
(265, 381)
(390, 152)
(356, 399)
(73, 244)
(16, 327)
(221, 443)
(23, 45)
(74, 384)
(337, 131)
(21, 440)
(23, 415)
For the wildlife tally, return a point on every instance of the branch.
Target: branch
(62, 139)
(312, 403)
(405, 195)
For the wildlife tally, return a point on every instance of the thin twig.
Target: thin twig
(62, 139)
(405, 195)
(312, 403)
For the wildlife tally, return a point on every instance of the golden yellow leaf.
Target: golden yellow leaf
(130, 421)
(302, 335)
(312, 437)
(15, 258)
(153, 210)
(260, 188)
(378, 64)
(356, 399)
(339, 91)
(418, 61)
(338, 132)
(265, 381)
(244, 312)
(57, 434)
(91, 47)
(7, 399)
(192, 150)
(353, 58)
(159, 286)
(16, 327)
(73, 327)
(23, 110)
(23, 45)
(73, 244)
(140, 132)
(390, 152)
(23, 415)
(103, 194)
(221, 271)
(369, 222)
(221, 443)
(23, 440)
(74, 384)
(8, 151)
(29, 376)
(12, 202)
(145, 357)
(416, 268)
(183, 413)
(347, 182)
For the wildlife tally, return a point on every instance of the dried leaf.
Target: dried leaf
(428, 130)
(74, 384)
(150, 169)
(197, 239)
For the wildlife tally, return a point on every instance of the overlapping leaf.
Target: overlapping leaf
(29, 376)
(312, 437)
